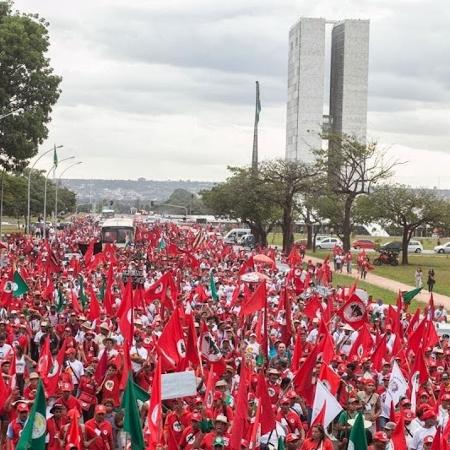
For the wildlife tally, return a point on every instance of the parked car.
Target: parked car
(320, 237)
(329, 243)
(248, 241)
(396, 246)
(363, 243)
(444, 248)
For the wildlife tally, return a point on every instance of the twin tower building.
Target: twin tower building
(309, 113)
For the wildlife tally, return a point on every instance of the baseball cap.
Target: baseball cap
(428, 439)
(389, 426)
(428, 414)
(196, 417)
(22, 407)
(100, 409)
(380, 436)
(66, 387)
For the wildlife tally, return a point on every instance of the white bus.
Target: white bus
(118, 231)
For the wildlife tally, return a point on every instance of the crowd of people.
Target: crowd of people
(280, 357)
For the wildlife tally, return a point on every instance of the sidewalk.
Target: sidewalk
(392, 285)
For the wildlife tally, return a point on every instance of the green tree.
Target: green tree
(353, 169)
(243, 196)
(285, 181)
(27, 84)
(404, 207)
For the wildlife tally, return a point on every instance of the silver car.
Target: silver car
(329, 243)
(444, 248)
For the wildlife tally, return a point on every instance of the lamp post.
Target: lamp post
(1, 205)
(45, 192)
(29, 184)
(57, 183)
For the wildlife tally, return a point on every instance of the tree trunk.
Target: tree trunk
(316, 232)
(405, 242)
(309, 234)
(346, 226)
(287, 227)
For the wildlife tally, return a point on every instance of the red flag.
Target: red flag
(294, 257)
(100, 370)
(171, 345)
(313, 308)
(353, 312)
(298, 351)
(398, 435)
(284, 307)
(75, 303)
(437, 441)
(330, 378)
(126, 314)
(240, 418)
(94, 306)
(256, 429)
(107, 300)
(320, 418)
(363, 344)
(52, 379)
(45, 359)
(420, 367)
(431, 338)
(302, 380)
(247, 266)
(208, 399)
(256, 302)
(192, 353)
(326, 346)
(89, 255)
(155, 410)
(163, 290)
(379, 354)
(126, 366)
(416, 336)
(73, 433)
(267, 418)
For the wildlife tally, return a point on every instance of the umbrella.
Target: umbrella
(254, 277)
(263, 259)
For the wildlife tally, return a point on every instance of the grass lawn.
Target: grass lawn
(405, 274)
(377, 292)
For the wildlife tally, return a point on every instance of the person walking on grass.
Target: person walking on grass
(419, 277)
(431, 280)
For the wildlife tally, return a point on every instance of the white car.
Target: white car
(444, 248)
(329, 243)
(415, 247)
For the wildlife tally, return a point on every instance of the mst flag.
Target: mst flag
(132, 418)
(33, 433)
(408, 296)
(357, 439)
(19, 287)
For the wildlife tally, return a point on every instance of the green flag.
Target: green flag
(140, 393)
(132, 419)
(33, 433)
(61, 301)
(19, 286)
(101, 293)
(55, 157)
(82, 294)
(281, 445)
(408, 296)
(358, 439)
(161, 245)
(212, 287)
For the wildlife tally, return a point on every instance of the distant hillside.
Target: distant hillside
(181, 197)
(131, 190)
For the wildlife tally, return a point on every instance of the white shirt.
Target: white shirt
(4, 350)
(420, 435)
(142, 353)
(76, 370)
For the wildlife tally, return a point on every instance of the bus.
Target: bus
(107, 213)
(118, 231)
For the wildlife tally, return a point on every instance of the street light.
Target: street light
(29, 184)
(11, 112)
(56, 187)
(45, 191)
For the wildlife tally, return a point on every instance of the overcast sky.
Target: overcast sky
(164, 89)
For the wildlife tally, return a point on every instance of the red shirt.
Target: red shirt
(291, 420)
(208, 441)
(103, 430)
(309, 444)
(54, 428)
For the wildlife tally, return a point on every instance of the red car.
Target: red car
(363, 243)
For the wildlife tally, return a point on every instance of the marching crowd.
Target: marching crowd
(279, 357)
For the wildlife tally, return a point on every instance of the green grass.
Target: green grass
(405, 274)
(377, 292)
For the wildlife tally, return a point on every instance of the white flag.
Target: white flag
(332, 408)
(397, 384)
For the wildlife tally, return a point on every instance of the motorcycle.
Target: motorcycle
(388, 258)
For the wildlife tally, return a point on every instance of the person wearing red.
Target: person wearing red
(67, 399)
(220, 431)
(191, 433)
(110, 387)
(380, 440)
(289, 419)
(273, 385)
(87, 393)
(176, 421)
(16, 426)
(317, 440)
(102, 429)
(55, 425)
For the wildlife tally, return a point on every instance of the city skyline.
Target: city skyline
(178, 96)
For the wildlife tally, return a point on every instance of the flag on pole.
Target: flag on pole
(19, 287)
(132, 418)
(212, 287)
(325, 397)
(358, 439)
(408, 296)
(34, 431)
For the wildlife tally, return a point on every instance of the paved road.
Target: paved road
(395, 286)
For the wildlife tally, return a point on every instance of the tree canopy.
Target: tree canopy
(28, 86)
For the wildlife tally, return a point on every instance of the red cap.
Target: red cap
(196, 417)
(100, 409)
(22, 407)
(428, 439)
(285, 401)
(429, 414)
(291, 437)
(445, 397)
(380, 436)
(408, 414)
(66, 387)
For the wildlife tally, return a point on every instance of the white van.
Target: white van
(236, 233)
